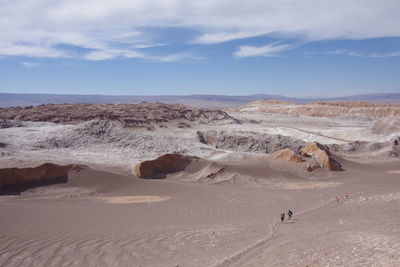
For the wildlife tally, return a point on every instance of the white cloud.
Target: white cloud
(43, 28)
(393, 54)
(106, 54)
(31, 50)
(214, 38)
(113, 53)
(344, 52)
(175, 57)
(30, 64)
(142, 46)
(99, 55)
(270, 50)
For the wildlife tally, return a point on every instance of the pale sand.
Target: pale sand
(132, 199)
(305, 185)
(394, 172)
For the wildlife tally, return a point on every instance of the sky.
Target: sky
(308, 48)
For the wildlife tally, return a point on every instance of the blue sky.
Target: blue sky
(294, 48)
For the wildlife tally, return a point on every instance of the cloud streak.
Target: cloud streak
(30, 64)
(270, 50)
(346, 52)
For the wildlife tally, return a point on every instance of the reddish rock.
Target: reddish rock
(161, 166)
(287, 154)
(321, 155)
(20, 179)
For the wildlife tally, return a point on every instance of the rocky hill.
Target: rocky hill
(324, 109)
(247, 141)
(128, 115)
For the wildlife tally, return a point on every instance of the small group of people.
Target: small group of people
(289, 214)
(346, 196)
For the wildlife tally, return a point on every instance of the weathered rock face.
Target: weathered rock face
(3, 150)
(313, 156)
(14, 180)
(387, 125)
(287, 154)
(161, 166)
(246, 141)
(9, 123)
(321, 155)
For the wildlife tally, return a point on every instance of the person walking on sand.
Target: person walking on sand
(337, 199)
(282, 217)
(289, 214)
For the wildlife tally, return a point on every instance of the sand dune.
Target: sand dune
(204, 225)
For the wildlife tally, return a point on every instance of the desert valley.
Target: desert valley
(155, 184)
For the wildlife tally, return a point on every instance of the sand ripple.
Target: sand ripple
(132, 199)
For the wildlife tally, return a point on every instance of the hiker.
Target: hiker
(337, 199)
(289, 214)
(282, 216)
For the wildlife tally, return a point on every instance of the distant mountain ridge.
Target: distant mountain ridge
(205, 101)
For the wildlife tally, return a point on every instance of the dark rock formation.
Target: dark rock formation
(17, 180)
(128, 115)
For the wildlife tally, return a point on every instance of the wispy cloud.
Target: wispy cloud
(47, 26)
(346, 52)
(106, 54)
(142, 46)
(175, 57)
(270, 50)
(31, 64)
(112, 54)
(393, 54)
(214, 38)
(31, 50)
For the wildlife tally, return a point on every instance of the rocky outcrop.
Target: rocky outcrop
(370, 150)
(244, 141)
(9, 123)
(98, 134)
(311, 157)
(129, 115)
(287, 154)
(395, 149)
(161, 166)
(16, 180)
(3, 150)
(207, 138)
(321, 155)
